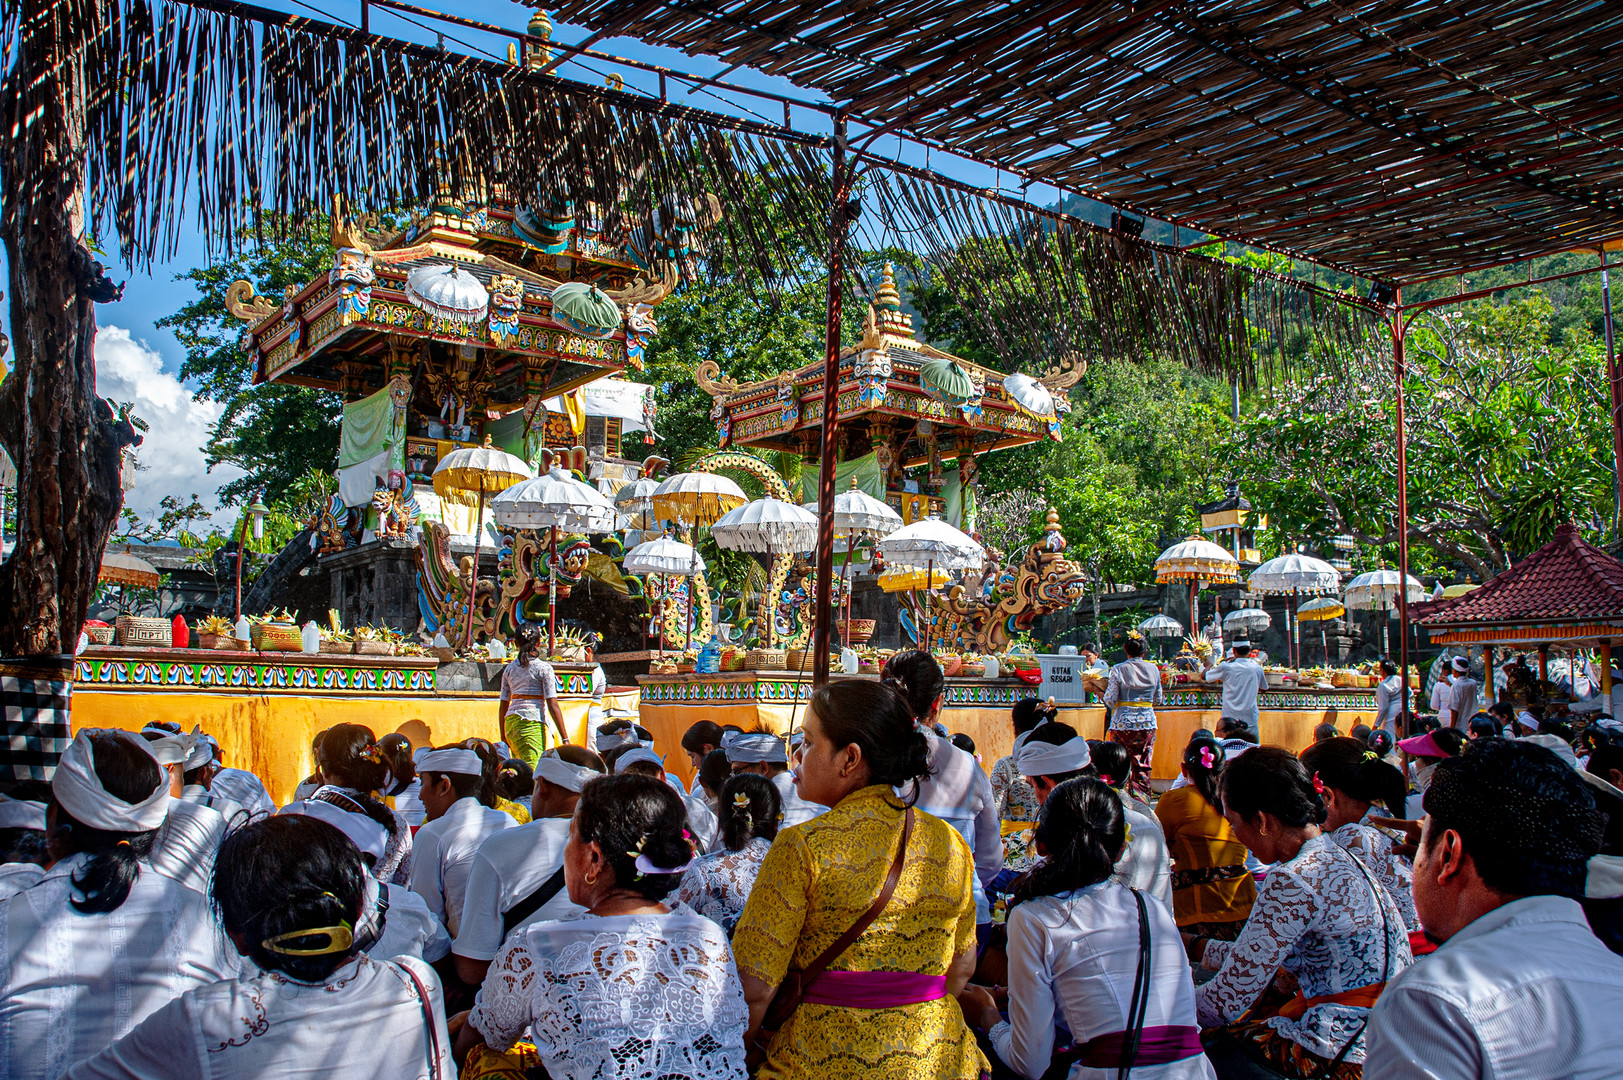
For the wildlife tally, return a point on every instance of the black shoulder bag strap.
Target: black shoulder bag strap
(1139, 1003)
(532, 903)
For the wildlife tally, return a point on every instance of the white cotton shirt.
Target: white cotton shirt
(187, 842)
(1388, 704)
(509, 866)
(17, 876)
(245, 789)
(409, 928)
(1073, 958)
(1439, 698)
(1146, 862)
(1525, 992)
(442, 851)
(621, 995)
(365, 1019)
(796, 811)
(73, 983)
(958, 792)
(235, 814)
(1462, 697)
(1243, 679)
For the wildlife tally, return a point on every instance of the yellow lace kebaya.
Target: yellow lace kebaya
(816, 881)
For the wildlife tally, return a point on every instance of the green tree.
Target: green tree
(275, 433)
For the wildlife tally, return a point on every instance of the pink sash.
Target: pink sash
(1156, 1046)
(874, 989)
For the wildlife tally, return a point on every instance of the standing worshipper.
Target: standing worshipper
(956, 789)
(1016, 802)
(100, 942)
(1243, 681)
(1320, 915)
(350, 760)
(881, 1006)
(1081, 945)
(718, 885)
(517, 875)
(1441, 687)
(457, 823)
(1388, 698)
(1132, 692)
(528, 686)
(1520, 988)
(764, 753)
(632, 988)
(291, 893)
(1355, 783)
(1212, 889)
(1462, 695)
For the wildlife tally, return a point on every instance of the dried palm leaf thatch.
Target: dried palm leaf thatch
(226, 117)
(1044, 287)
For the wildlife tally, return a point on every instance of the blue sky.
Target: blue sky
(137, 361)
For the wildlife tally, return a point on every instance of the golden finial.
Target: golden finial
(887, 296)
(1053, 521)
(512, 54)
(540, 27)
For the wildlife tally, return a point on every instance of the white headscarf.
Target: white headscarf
(555, 770)
(21, 814)
(1045, 759)
(456, 760)
(172, 749)
(363, 832)
(78, 790)
(754, 747)
(640, 753)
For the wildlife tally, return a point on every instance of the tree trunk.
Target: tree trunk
(64, 439)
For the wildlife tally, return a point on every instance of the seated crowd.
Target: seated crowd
(861, 899)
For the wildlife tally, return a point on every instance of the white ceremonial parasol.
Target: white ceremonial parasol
(933, 543)
(552, 501)
(858, 516)
(485, 470)
(1030, 395)
(664, 556)
(447, 292)
(1294, 575)
(1161, 626)
(767, 526)
(1378, 590)
(1247, 619)
(695, 498)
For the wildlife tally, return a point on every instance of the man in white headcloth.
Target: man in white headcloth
(22, 821)
(409, 928)
(197, 784)
(457, 823)
(1462, 695)
(1243, 681)
(191, 833)
(517, 875)
(763, 753)
(241, 787)
(100, 942)
(1053, 753)
(701, 819)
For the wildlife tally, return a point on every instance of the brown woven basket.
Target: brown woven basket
(799, 660)
(276, 637)
(139, 630)
(765, 660)
(100, 635)
(328, 645)
(733, 660)
(373, 648)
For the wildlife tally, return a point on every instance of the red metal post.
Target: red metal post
(473, 580)
(1398, 328)
(1615, 377)
(837, 223)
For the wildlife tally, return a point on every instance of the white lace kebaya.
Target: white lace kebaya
(636, 997)
(718, 885)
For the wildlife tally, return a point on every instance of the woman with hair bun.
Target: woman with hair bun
(528, 686)
(882, 1006)
(632, 988)
(350, 761)
(101, 941)
(1132, 691)
(717, 885)
(1355, 783)
(1075, 956)
(1212, 890)
(291, 894)
(1320, 915)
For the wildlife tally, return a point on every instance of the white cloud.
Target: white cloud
(171, 456)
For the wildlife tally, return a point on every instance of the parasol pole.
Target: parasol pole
(1403, 511)
(473, 581)
(929, 588)
(845, 589)
(1614, 376)
(1296, 633)
(552, 592)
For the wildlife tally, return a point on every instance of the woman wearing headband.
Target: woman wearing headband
(291, 894)
(717, 885)
(101, 942)
(633, 987)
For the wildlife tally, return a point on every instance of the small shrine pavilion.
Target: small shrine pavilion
(903, 405)
(1568, 593)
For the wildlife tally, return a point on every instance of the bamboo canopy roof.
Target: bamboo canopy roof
(1397, 141)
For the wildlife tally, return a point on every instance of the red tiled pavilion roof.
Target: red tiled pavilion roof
(1567, 579)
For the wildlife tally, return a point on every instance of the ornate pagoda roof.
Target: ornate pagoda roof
(895, 391)
(344, 330)
(1567, 590)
